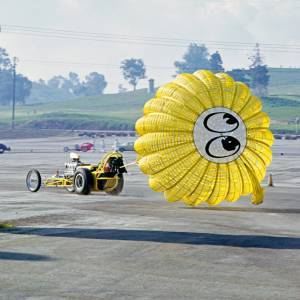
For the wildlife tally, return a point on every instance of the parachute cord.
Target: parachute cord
(129, 164)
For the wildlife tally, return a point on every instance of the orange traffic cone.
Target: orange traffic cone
(270, 180)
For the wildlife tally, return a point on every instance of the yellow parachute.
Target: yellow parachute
(204, 138)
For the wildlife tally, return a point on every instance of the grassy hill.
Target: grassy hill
(120, 111)
(284, 81)
(110, 111)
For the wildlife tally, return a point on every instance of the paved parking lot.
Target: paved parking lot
(138, 246)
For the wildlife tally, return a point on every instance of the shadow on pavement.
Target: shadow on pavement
(23, 256)
(189, 238)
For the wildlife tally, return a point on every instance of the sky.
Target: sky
(216, 23)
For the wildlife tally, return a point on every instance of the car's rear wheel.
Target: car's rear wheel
(82, 181)
(118, 188)
(33, 180)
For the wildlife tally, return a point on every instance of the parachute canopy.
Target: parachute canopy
(204, 138)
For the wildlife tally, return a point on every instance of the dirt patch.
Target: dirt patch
(45, 219)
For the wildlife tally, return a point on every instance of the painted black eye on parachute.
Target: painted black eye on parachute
(230, 119)
(230, 143)
(214, 122)
(215, 149)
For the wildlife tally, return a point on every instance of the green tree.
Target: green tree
(258, 73)
(216, 62)
(195, 58)
(56, 82)
(5, 62)
(42, 92)
(95, 84)
(5, 78)
(60, 88)
(241, 75)
(5, 87)
(256, 58)
(74, 78)
(23, 84)
(23, 88)
(76, 87)
(133, 70)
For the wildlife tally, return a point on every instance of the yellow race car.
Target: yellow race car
(83, 178)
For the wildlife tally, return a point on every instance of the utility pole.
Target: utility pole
(14, 94)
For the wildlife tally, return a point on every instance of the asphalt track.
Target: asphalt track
(138, 246)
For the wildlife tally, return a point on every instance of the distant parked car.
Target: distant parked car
(4, 148)
(80, 147)
(87, 133)
(129, 146)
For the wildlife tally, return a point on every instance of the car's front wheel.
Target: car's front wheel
(82, 181)
(33, 180)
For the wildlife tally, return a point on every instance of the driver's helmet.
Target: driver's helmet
(74, 156)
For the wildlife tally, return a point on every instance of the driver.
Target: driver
(75, 157)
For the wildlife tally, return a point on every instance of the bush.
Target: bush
(75, 124)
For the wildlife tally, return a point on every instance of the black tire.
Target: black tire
(33, 180)
(82, 181)
(1, 150)
(119, 188)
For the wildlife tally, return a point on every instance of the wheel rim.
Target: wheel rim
(70, 188)
(32, 180)
(79, 181)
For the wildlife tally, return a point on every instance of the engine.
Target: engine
(70, 168)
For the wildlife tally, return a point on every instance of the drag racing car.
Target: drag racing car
(106, 176)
